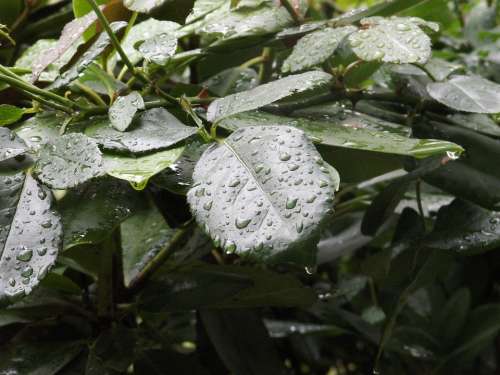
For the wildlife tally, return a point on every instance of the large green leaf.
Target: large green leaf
(30, 235)
(99, 46)
(266, 94)
(68, 161)
(138, 170)
(467, 93)
(394, 40)
(231, 81)
(92, 211)
(466, 228)
(159, 48)
(40, 129)
(143, 6)
(10, 145)
(315, 48)
(346, 133)
(263, 193)
(123, 110)
(479, 122)
(154, 129)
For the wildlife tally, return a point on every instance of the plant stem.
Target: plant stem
(265, 70)
(256, 60)
(292, 11)
(91, 94)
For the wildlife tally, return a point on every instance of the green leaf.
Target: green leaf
(10, 114)
(123, 110)
(481, 18)
(92, 211)
(142, 6)
(440, 69)
(69, 161)
(465, 228)
(388, 8)
(479, 122)
(143, 235)
(100, 81)
(159, 48)
(231, 81)
(351, 133)
(10, 145)
(58, 53)
(315, 48)
(451, 319)
(263, 193)
(30, 235)
(202, 8)
(155, 129)
(394, 40)
(99, 46)
(266, 94)
(142, 31)
(138, 170)
(467, 93)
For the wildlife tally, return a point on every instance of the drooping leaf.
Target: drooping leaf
(68, 161)
(99, 46)
(138, 170)
(143, 235)
(92, 211)
(263, 193)
(30, 235)
(315, 48)
(465, 228)
(10, 145)
(9, 114)
(159, 48)
(143, 6)
(467, 93)
(232, 81)
(154, 129)
(71, 33)
(266, 94)
(123, 110)
(346, 133)
(394, 40)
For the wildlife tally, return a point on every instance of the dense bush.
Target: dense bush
(249, 187)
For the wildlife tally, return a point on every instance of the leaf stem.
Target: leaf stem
(292, 11)
(256, 60)
(91, 94)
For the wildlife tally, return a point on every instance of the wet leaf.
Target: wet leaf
(395, 40)
(440, 69)
(100, 81)
(467, 93)
(263, 193)
(475, 121)
(351, 132)
(10, 114)
(123, 110)
(465, 228)
(99, 46)
(232, 81)
(138, 170)
(159, 48)
(154, 129)
(266, 94)
(10, 145)
(143, 6)
(40, 129)
(315, 48)
(93, 210)
(30, 235)
(69, 161)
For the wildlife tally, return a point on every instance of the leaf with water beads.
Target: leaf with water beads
(143, 6)
(10, 145)
(159, 48)
(264, 193)
(69, 161)
(30, 235)
(123, 110)
(393, 40)
(467, 93)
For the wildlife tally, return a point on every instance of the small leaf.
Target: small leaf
(123, 110)
(315, 48)
(9, 114)
(395, 40)
(159, 48)
(10, 145)
(231, 81)
(263, 192)
(93, 210)
(465, 228)
(102, 42)
(155, 129)
(143, 6)
(266, 94)
(68, 161)
(138, 170)
(467, 93)
(30, 235)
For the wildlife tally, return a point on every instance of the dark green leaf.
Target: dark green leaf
(69, 161)
(30, 235)
(9, 114)
(231, 81)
